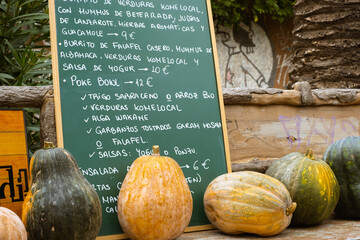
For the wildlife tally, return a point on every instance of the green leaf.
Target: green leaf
(6, 76)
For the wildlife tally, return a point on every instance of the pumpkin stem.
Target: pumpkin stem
(310, 154)
(291, 209)
(156, 150)
(48, 145)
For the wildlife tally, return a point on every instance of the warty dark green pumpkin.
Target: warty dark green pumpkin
(343, 156)
(311, 184)
(61, 203)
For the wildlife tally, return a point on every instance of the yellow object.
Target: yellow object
(155, 202)
(14, 178)
(248, 202)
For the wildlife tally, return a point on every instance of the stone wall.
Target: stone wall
(326, 43)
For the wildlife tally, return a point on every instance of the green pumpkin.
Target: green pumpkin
(311, 184)
(343, 156)
(61, 203)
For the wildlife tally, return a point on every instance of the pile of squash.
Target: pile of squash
(264, 204)
(155, 201)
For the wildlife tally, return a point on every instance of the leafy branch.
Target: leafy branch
(25, 52)
(230, 12)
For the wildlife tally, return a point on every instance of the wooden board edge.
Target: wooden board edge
(26, 145)
(24, 131)
(188, 229)
(55, 71)
(219, 87)
(112, 237)
(23, 115)
(199, 228)
(22, 112)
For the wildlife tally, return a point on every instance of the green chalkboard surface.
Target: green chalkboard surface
(132, 74)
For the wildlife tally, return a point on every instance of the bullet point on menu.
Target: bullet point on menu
(64, 80)
(86, 120)
(83, 98)
(91, 154)
(85, 107)
(89, 131)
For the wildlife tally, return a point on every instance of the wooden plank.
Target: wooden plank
(14, 181)
(12, 143)
(11, 121)
(15, 166)
(272, 131)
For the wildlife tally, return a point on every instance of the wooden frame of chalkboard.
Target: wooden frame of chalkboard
(132, 74)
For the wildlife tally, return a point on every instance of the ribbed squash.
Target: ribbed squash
(154, 202)
(61, 203)
(11, 226)
(248, 202)
(343, 156)
(311, 183)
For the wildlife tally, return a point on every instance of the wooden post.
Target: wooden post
(47, 119)
(24, 96)
(35, 97)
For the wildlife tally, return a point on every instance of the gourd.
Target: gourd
(248, 202)
(154, 202)
(311, 183)
(61, 203)
(11, 226)
(343, 156)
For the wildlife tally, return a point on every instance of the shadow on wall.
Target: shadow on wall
(249, 57)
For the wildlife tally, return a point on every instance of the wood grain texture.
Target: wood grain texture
(11, 121)
(13, 160)
(47, 119)
(268, 132)
(13, 143)
(24, 96)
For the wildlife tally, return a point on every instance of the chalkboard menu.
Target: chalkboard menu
(132, 74)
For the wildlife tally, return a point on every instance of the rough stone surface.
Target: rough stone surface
(342, 95)
(243, 96)
(306, 94)
(326, 43)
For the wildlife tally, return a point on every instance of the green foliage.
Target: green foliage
(32, 118)
(229, 12)
(24, 52)
(24, 34)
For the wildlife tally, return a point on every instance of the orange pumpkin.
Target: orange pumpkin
(11, 226)
(248, 202)
(154, 202)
